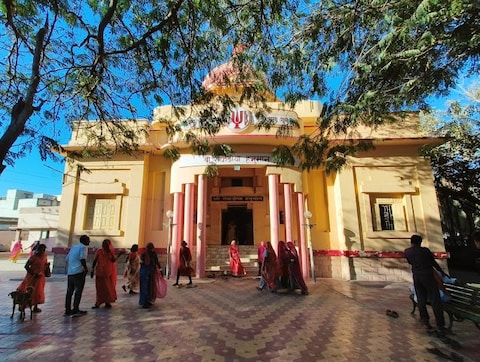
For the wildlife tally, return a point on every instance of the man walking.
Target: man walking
(423, 262)
(77, 270)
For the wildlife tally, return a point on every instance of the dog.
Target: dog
(24, 301)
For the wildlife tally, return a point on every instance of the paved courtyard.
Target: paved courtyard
(229, 320)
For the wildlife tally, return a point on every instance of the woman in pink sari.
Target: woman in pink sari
(105, 269)
(236, 266)
(16, 250)
(35, 277)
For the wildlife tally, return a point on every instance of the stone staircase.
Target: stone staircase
(218, 259)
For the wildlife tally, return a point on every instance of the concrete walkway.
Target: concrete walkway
(228, 320)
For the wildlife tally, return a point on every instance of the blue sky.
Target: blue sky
(33, 174)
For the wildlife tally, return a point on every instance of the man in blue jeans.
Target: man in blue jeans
(77, 271)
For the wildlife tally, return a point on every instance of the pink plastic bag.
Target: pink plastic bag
(161, 284)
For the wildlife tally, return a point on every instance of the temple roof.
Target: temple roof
(233, 76)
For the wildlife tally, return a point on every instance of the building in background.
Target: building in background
(351, 224)
(29, 216)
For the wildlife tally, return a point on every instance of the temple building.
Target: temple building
(352, 224)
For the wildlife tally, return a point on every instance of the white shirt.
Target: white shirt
(76, 253)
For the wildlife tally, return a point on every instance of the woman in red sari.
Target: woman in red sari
(35, 277)
(270, 268)
(296, 278)
(283, 260)
(236, 265)
(105, 269)
(184, 267)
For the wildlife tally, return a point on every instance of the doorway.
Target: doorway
(237, 224)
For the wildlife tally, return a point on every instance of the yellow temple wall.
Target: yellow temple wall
(346, 238)
(121, 182)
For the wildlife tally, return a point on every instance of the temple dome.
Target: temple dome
(232, 76)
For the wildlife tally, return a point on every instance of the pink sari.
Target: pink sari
(16, 250)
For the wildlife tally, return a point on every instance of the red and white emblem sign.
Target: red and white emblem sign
(239, 119)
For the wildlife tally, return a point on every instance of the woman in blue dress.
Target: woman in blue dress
(148, 263)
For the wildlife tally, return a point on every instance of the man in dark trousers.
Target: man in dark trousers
(77, 270)
(423, 262)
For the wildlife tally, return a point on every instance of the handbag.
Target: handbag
(161, 284)
(48, 271)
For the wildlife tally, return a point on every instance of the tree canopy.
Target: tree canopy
(66, 60)
(456, 164)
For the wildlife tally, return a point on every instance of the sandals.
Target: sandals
(449, 342)
(452, 357)
(107, 305)
(392, 313)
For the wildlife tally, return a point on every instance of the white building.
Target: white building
(29, 216)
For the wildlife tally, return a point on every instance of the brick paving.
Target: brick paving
(229, 320)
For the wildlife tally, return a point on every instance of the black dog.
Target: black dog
(24, 301)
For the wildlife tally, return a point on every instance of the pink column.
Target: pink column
(273, 203)
(201, 225)
(287, 195)
(177, 223)
(302, 246)
(188, 210)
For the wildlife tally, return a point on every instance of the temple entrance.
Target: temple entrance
(237, 224)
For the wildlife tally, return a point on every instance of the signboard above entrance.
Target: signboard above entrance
(237, 198)
(237, 159)
(243, 119)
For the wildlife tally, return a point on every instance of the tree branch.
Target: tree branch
(170, 19)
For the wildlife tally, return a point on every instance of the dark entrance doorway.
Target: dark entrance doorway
(237, 224)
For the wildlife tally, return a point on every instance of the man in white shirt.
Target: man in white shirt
(77, 270)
